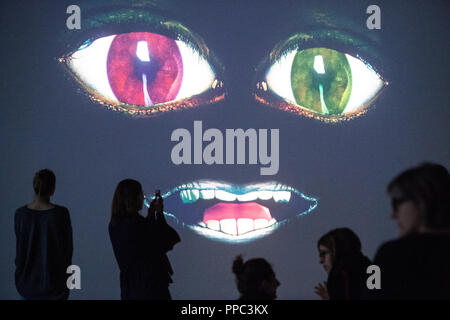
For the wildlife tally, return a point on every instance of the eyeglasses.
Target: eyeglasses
(322, 253)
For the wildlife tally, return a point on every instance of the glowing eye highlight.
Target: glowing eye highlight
(323, 81)
(141, 69)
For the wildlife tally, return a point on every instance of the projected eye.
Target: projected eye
(323, 83)
(143, 73)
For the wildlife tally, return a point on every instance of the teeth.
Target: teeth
(265, 195)
(192, 192)
(228, 226)
(189, 196)
(225, 196)
(207, 194)
(261, 223)
(184, 196)
(192, 195)
(282, 196)
(249, 196)
(244, 225)
(239, 227)
(195, 194)
(213, 224)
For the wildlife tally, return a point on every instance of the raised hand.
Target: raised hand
(321, 291)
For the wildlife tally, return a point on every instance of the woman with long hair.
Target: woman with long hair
(140, 244)
(341, 257)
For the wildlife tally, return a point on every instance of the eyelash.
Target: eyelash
(315, 39)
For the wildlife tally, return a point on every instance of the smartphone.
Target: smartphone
(158, 197)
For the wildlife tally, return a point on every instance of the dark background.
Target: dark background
(47, 122)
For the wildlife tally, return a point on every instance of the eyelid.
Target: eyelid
(126, 20)
(137, 20)
(204, 99)
(343, 41)
(339, 40)
(99, 24)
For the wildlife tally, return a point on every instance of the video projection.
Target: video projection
(265, 124)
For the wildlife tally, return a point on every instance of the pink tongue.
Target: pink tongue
(249, 210)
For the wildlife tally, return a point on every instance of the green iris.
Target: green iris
(321, 80)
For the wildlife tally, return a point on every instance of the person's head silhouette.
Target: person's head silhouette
(420, 199)
(255, 279)
(44, 183)
(128, 199)
(336, 244)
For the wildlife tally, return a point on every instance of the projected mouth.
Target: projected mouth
(234, 213)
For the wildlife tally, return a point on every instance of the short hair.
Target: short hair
(250, 274)
(340, 242)
(428, 184)
(44, 183)
(126, 199)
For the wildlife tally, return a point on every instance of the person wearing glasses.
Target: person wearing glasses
(417, 264)
(340, 254)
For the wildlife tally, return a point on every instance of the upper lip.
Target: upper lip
(272, 193)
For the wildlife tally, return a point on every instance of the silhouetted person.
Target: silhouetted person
(140, 244)
(255, 279)
(44, 244)
(341, 256)
(417, 265)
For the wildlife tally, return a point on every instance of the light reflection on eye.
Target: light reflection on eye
(319, 82)
(143, 73)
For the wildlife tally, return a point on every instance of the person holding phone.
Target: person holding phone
(140, 243)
